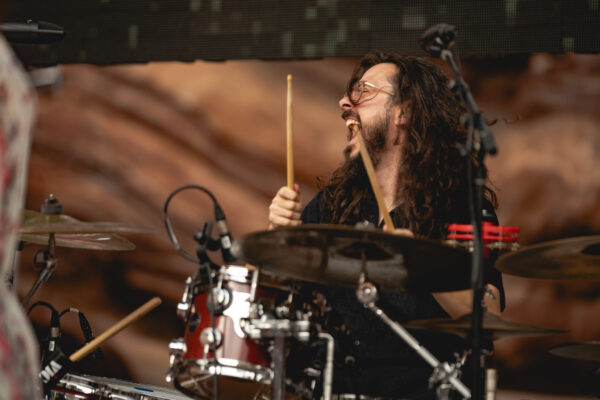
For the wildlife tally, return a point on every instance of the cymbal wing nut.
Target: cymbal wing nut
(367, 293)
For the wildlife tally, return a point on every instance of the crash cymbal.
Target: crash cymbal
(331, 255)
(494, 327)
(88, 241)
(589, 351)
(35, 222)
(572, 258)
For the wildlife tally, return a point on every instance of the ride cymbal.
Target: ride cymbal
(332, 255)
(35, 222)
(589, 351)
(494, 327)
(572, 258)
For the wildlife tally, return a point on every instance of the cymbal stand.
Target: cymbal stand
(444, 373)
(328, 373)
(45, 258)
(278, 330)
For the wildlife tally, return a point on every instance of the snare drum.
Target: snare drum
(77, 387)
(241, 364)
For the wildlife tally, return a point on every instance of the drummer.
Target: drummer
(410, 121)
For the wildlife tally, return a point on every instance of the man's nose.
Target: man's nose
(345, 103)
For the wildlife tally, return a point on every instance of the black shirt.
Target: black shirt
(370, 358)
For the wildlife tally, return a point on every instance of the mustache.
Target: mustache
(350, 113)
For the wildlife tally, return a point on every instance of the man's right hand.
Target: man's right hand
(285, 208)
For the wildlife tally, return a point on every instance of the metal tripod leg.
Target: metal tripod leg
(367, 295)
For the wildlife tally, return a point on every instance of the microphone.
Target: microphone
(224, 235)
(32, 32)
(438, 38)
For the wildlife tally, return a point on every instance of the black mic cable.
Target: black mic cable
(54, 334)
(86, 329)
(225, 240)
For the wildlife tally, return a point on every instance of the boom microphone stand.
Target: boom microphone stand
(439, 42)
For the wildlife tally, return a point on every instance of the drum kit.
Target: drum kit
(249, 329)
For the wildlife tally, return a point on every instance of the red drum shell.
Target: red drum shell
(243, 368)
(234, 345)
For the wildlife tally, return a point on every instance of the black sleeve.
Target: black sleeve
(311, 214)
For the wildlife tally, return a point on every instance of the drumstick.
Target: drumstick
(290, 149)
(355, 126)
(116, 328)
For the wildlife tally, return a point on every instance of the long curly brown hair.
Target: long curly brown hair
(433, 179)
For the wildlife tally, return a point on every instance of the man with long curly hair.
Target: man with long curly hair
(411, 125)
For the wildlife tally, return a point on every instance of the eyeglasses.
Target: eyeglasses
(363, 91)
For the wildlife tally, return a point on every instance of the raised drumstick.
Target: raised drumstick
(116, 328)
(355, 126)
(290, 149)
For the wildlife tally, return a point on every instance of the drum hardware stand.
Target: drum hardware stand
(12, 278)
(278, 330)
(45, 258)
(328, 374)
(440, 378)
(445, 375)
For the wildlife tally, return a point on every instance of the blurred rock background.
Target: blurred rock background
(112, 142)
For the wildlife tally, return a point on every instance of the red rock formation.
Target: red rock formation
(113, 142)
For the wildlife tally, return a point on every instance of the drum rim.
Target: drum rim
(242, 275)
(84, 386)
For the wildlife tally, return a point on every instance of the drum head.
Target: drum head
(73, 387)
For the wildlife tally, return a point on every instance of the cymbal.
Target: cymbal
(331, 255)
(494, 327)
(88, 241)
(35, 222)
(589, 351)
(572, 258)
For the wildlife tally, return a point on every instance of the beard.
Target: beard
(374, 139)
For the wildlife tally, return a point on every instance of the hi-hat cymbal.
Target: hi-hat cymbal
(88, 241)
(494, 327)
(589, 351)
(331, 255)
(572, 258)
(35, 222)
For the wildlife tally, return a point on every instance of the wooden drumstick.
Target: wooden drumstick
(290, 149)
(116, 328)
(355, 126)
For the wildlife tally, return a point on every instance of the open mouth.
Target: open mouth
(351, 124)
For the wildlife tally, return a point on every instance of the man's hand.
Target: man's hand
(458, 303)
(285, 208)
